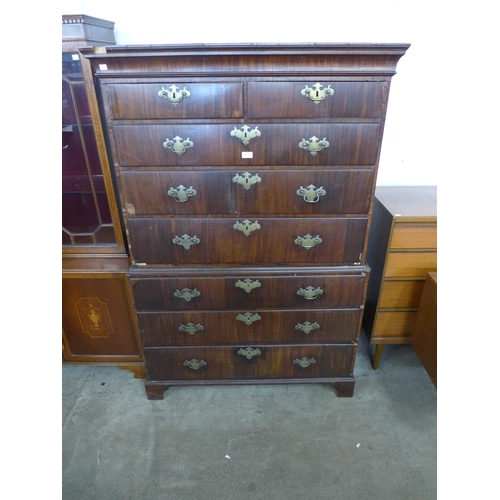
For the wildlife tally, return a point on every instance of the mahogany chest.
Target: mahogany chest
(246, 176)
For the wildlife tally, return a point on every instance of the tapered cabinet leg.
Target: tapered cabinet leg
(378, 352)
(343, 389)
(155, 391)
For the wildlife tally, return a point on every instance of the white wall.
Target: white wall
(407, 154)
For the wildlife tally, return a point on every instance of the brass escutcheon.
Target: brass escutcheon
(314, 145)
(245, 133)
(187, 294)
(181, 194)
(248, 318)
(194, 364)
(248, 285)
(178, 145)
(174, 94)
(186, 241)
(304, 362)
(310, 293)
(246, 227)
(191, 328)
(247, 180)
(311, 193)
(317, 92)
(307, 327)
(249, 352)
(308, 241)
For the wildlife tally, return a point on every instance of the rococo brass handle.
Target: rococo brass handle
(247, 180)
(245, 133)
(181, 194)
(248, 285)
(187, 294)
(308, 241)
(186, 241)
(191, 328)
(174, 94)
(310, 293)
(178, 145)
(249, 352)
(304, 362)
(307, 327)
(311, 193)
(248, 318)
(194, 364)
(317, 92)
(246, 227)
(314, 145)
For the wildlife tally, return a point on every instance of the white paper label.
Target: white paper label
(74, 57)
(103, 67)
(247, 154)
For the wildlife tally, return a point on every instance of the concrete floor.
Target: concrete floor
(252, 442)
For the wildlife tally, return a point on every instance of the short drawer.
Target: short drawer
(306, 144)
(394, 325)
(313, 99)
(334, 241)
(248, 362)
(174, 100)
(410, 264)
(162, 192)
(266, 327)
(414, 236)
(249, 293)
(401, 294)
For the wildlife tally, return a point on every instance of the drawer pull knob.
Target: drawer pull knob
(317, 92)
(311, 193)
(178, 145)
(194, 364)
(187, 294)
(248, 285)
(246, 227)
(191, 328)
(181, 194)
(174, 94)
(186, 241)
(248, 318)
(304, 362)
(310, 293)
(308, 241)
(314, 145)
(249, 352)
(307, 327)
(245, 133)
(247, 180)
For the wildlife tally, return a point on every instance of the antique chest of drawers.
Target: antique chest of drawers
(246, 176)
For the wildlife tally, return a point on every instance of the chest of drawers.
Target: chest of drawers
(246, 177)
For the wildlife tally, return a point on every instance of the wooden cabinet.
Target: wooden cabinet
(246, 177)
(402, 249)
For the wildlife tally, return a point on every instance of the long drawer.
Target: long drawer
(307, 192)
(244, 362)
(307, 144)
(335, 241)
(262, 327)
(249, 292)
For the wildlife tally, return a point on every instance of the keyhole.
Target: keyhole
(317, 93)
(174, 95)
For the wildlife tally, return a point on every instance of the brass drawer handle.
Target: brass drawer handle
(186, 241)
(187, 294)
(191, 328)
(247, 180)
(307, 327)
(247, 227)
(245, 133)
(174, 94)
(308, 241)
(310, 293)
(317, 92)
(311, 193)
(178, 145)
(314, 145)
(249, 352)
(304, 362)
(248, 318)
(248, 285)
(181, 194)
(194, 364)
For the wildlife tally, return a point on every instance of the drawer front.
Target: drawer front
(163, 192)
(394, 325)
(248, 293)
(413, 237)
(278, 144)
(291, 99)
(239, 241)
(401, 294)
(410, 264)
(239, 363)
(265, 327)
(138, 101)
